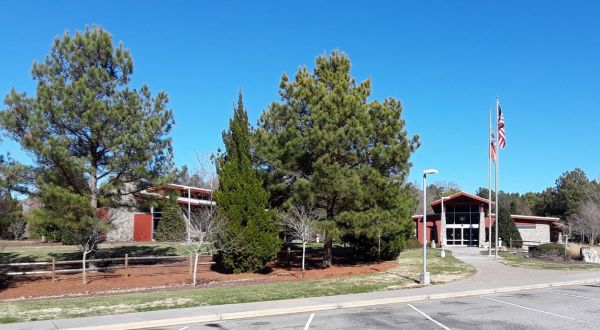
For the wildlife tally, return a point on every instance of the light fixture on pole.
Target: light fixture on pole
(425, 278)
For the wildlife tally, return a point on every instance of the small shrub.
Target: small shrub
(547, 250)
(413, 243)
(171, 227)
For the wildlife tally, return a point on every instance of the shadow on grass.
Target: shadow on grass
(8, 281)
(291, 256)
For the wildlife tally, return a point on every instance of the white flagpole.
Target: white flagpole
(490, 186)
(497, 170)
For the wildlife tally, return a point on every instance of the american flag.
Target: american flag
(501, 134)
(492, 147)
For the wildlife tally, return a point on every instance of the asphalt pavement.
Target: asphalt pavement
(497, 296)
(572, 307)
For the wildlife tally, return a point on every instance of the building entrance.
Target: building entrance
(462, 224)
(461, 234)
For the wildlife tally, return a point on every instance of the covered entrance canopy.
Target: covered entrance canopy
(461, 221)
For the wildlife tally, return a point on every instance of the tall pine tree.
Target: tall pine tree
(90, 133)
(251, 237)
(92, 136)
(326, 144)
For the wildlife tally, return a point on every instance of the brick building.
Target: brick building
(464, 219)
(138, 223)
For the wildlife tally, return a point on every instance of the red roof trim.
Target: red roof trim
(465, 194)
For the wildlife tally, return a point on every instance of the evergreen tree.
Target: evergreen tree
(572, 189)
(171, 226)
(251, 231)
(12, 224)
(90, 133)
(507, 229)
(325, 144)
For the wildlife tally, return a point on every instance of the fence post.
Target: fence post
(510, 242)
(53, 269)
(126, 260)
(289, 257)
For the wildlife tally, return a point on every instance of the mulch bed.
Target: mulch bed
(553, 259)
(165, 277)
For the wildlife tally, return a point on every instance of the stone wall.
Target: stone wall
(541, 233)
(481, 227)
(121, 223)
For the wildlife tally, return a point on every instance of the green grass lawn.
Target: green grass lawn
(405, 275)
(71, 252)
(515, 260)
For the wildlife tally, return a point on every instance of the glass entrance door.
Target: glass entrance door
(474, 236)
(465, 235)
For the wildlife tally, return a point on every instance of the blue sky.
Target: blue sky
(445, 60)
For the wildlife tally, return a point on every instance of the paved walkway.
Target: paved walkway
(492, 276)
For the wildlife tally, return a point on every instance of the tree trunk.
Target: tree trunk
(328, 247)
(327, 255)
(195, 269)
(303, 256)
(92, 185)
(84, 277)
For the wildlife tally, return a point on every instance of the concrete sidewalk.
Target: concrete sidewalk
(491, 277)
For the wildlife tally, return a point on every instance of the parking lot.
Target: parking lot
(573, 307)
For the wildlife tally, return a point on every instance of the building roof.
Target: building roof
(158, 192)
(181, 187)
(533, 218)
(464, 195)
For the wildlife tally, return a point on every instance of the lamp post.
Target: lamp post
(443, 219)
(425, 277)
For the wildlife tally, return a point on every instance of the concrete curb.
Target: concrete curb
(329, 306)
(278, 311)
(155, 323)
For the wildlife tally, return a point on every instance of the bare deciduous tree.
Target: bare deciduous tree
(17, 227)
(300, 222)
(207, 228)
(205, 225)
(87, 235)
(205, 170)
(587, 221)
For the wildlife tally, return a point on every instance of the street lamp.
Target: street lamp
(425, 277)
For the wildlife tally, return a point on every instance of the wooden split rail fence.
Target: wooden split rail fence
(106, 263)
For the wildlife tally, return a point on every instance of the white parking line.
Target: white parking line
(187, 326)
(572, 295)
(309, 320)
(535, 310)
(428, 317)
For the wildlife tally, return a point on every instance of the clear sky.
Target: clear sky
(446, 61)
